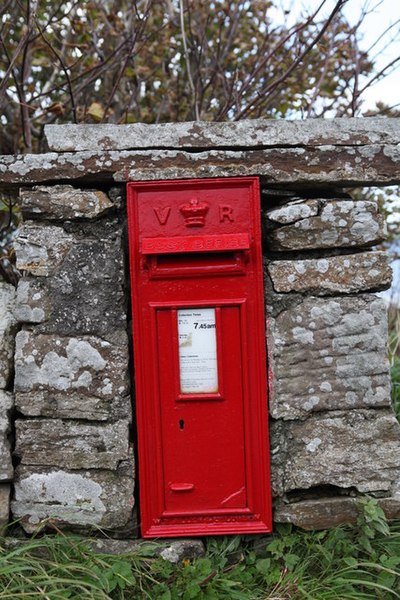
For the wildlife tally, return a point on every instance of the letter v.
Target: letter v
(162, 214)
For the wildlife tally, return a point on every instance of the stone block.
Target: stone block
(328, 354)
(178, 550)
(71, 444)
(7, 332)
(63, 202)
(32, 303)
(323, 513)
(80, 378)
(174, 551)
(334, 274)
(86, 294)
(41, 249)
(6, 405)
(339, 223)
(5, 490)
(353, 449)
(293, 211)
(87, 498)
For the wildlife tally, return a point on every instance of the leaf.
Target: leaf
(57, 109)
(386, 579)
(263, 566)
(291, 560)
(350, 561)
(192, 591)
(96, 111)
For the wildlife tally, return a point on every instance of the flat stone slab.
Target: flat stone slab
(7, 332)
(74, 498)
(293, 211)
(203, 134)
(328, 354)
(171, 550)
(63, 202)
(323, 513)
(344, 165)
(174, 551)
(6, 405)
(339, 223)
(71, 444)
(357, 449)
(74, 377)
(342, 274)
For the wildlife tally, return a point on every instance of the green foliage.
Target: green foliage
(345, 563)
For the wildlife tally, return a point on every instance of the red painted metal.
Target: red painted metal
(195, 245)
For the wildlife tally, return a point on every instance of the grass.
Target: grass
(345, 563)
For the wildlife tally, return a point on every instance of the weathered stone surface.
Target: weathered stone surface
(203, 134)
(340, 223)
(334, 274)
(4, 506)
(80, 378)
(41, 249)
(7, 332)
(86, 294)
(352, 449)
(63, 202)
(6, 404)
(32, 303)
(323, 513)
(293, 211)
(174, 551)
(70, 444)
(339, 165)
(328, 354)
(81, 498)
(178, 550)
(74, 405)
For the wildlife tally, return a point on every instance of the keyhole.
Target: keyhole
(181, 424)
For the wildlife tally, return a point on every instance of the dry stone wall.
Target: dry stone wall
(333, 431)
(65, 377)
(8, 328)
(72, 384)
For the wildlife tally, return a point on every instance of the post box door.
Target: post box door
(199, 354)
(203, 459)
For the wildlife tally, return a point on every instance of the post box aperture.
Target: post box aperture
(199, 356)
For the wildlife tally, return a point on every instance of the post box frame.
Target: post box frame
(155, 520)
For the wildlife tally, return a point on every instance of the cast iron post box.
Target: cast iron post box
(199, 356)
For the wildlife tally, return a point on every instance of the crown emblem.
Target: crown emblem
(194, 212)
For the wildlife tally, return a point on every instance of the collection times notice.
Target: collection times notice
(198, 366)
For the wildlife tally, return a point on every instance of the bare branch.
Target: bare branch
(271, 88)
(187, 60)
(63, 67)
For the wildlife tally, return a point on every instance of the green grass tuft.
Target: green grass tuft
(345, 563)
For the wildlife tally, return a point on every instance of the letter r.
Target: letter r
(226, 213)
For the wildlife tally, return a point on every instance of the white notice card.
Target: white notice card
(197, 351)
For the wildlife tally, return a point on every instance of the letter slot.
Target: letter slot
(199, 356)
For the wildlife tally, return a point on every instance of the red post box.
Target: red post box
(199, 355)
